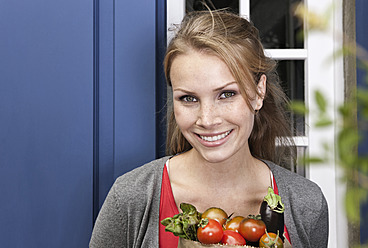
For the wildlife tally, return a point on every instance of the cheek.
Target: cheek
(242, 115)
(183, 117)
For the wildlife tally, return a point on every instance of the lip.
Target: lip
(214, 139)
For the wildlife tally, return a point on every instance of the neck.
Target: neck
(234, 185)
(240, 168)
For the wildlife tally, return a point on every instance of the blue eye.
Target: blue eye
(188, 98)
(227, 94)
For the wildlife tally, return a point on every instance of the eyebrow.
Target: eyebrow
(224, 86)
(215, 90)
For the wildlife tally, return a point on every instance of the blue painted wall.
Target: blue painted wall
(362, 40)
(77, 109)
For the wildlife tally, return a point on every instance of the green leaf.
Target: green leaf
(274, 201)
(298, 107)
(187, 208)
(353, 197)
(347, 109)
(184, 224)
(347, 142)
(166, 221)
(321, 101)
(323, 122)
(313, 160)
(254, 217)
(203, 222)
(362, 96)
(363, 164)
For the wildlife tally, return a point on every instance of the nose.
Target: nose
(209, 115)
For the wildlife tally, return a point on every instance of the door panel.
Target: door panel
(127, 88)
(134, 84)
(46, 111)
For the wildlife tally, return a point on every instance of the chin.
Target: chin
(214, 156)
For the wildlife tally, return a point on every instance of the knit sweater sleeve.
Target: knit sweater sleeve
(319, 231)
(109, 229)
(129, 216)
(306, 210)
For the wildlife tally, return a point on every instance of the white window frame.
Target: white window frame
(324, 74)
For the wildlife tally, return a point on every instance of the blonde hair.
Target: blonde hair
(236, 41)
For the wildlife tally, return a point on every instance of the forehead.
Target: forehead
(194, 67)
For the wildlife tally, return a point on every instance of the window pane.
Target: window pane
(232, 5)
(276, 23)
(298, 165)
(291, 73)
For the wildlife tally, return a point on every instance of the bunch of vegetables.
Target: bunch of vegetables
(214, 226)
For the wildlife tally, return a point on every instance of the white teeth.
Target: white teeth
(215, 138)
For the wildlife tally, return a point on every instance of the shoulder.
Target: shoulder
(141, 178)
(286, 179)
(299, 190)
(306, 209)
(130, 208)
(147, 170)
(299, 193)
(137, 191)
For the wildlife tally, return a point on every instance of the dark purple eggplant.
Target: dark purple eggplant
(272, 213)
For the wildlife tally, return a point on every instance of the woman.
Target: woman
(228, 113)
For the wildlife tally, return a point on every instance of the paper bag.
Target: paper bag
(185, 243)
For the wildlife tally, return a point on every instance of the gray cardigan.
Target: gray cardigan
(129, 216)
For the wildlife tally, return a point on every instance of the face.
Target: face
(209, 108)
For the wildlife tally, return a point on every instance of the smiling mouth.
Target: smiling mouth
(216, 137)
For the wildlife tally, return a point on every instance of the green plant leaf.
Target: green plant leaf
(313, 160)
(298, 107)
(274, 201)
(354, 195)
(348, 110)
(362, 96)
(184, 224)
(321, 101)
(323, 122)
(187, 208)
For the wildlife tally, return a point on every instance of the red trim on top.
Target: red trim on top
(168, 208)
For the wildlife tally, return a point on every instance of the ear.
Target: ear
(261, 92)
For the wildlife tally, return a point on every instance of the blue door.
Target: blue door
(77, 109)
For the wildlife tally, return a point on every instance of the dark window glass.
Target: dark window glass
(297, 165)
(277, 25)
(231, 5)
(291, 73)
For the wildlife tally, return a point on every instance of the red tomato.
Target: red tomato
(234, 223)
(232, 238)
(252, 229)
(215, 214)
(211, 233)
(269, 240)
